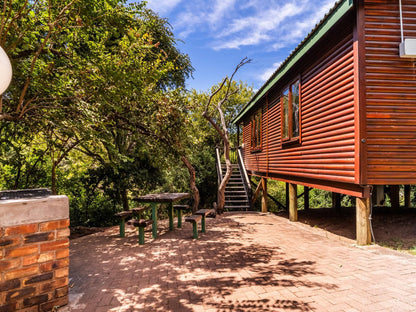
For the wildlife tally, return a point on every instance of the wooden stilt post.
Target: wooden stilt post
(336, 201)
(407, 196)
(374, 195)
(395, 196)
(264, 197)
(378, 191)
(306, 198)
(363, 231)
(293, 202)
(287, 196)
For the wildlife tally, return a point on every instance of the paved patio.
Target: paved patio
(245, 262)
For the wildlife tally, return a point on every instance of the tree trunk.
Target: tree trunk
(224, 182)
(223, 132)
(192, 183)
(53, 178)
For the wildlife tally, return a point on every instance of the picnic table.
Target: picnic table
(161, 198)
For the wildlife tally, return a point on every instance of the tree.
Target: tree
(84, 68)
(134, 68)
(220, 126)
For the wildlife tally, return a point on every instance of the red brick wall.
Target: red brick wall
(34, 264)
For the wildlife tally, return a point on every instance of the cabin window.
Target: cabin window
(256, 131)
(290, 112)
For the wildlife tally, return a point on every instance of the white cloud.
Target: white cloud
(221, 8)
(162, 6)
(269, 72)
(257, 29)
(232, 24)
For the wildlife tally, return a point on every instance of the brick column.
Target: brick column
(34, 254)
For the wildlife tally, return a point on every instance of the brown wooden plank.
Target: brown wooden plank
(362, 221)
(293, 202)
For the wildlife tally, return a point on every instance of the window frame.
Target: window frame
(256, 130)
(287, 121)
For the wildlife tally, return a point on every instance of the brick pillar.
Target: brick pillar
(34, 254)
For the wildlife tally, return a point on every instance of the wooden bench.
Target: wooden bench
(179, 209)
(204, 213)
(141, 225)
(122, 216)
(136, 212)
(194, 219)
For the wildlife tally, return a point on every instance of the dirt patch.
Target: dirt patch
(79, 231)
(393, 228)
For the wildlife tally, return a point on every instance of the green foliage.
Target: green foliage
(242, 94)
(320, 198)
(94, 82)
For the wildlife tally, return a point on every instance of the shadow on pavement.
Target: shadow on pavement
(225, 270)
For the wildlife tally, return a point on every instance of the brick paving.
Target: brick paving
(245, 262)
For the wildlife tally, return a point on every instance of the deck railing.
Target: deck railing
(218, 164)
(233, 155)
(246, 179)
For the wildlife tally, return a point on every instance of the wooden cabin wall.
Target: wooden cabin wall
(327, 149)
(390, 94)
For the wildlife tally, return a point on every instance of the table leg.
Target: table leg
(170, 213)
(203, 224)
(122, 227)
(141, 235)
(154, 218)
(195, 230)
(179, 211)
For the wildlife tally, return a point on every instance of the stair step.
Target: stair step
(235, 193)
(233, 183)
(236, 201)
(237, 207)
(231, 199)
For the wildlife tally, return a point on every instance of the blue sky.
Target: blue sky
(217, 34)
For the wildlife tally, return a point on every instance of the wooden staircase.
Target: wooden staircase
(236, 198)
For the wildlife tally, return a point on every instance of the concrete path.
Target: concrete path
(245, 262)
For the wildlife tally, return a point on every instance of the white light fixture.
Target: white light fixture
(407, 48)
(5, 71)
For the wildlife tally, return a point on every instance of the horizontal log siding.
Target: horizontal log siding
(327, 124)
(390, 93)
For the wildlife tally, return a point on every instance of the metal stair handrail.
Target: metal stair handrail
(246, 180)
(218, 163)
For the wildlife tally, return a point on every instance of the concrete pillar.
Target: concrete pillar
(264, 197)
(363, 231)
(293, 202)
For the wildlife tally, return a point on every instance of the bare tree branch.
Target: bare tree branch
(222, 129)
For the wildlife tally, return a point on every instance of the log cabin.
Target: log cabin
(339, 114)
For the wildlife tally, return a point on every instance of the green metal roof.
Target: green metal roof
(332, 17)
